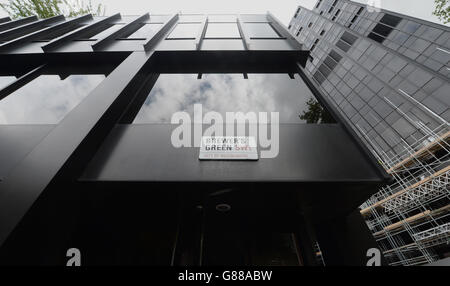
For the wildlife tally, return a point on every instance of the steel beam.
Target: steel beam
(17, 23)
(18, 83)
(161, 32)
(201, 34)
(77, 33)
(244, 34)
(23, 30)
(127, 28)
(81, 131)
(5, 19)
(281, 29)
(43, 32)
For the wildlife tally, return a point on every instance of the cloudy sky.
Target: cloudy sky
(224, 93)
(283, 9)
(46, 99)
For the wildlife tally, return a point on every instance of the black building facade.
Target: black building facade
(88, 159)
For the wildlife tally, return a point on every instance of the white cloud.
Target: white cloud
(225, 93)
(46, 100)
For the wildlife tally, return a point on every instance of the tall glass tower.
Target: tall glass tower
(388, 74)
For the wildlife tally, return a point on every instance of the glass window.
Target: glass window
(432, 85)
(391, 20)
(254, 18)
(55, 34)
(420, 45)
(5, 80)
(319, 77)
(419, 77)
(183, 18)
(442, 94)
(335, 56)
(435, 105)
(324, 70)
(261, 30)
(222, 30)
(145, 32)
(399, 37)
(382, 30)
(185, 31)
(158, 18)
(431, 34)
(46, 99)
(383, 109)
(222, 18)
(318, 3)
(396, 64)
(376, 38)
(330, 62)
(349, 38)
(403, 127)
(411, 27)
(222, 93)
(343, 45)
(105, 32)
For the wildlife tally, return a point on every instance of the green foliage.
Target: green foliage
(442, 10)
(316, 113)
(49, 8)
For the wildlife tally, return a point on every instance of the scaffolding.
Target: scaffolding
(435, 236)
(410, 219)
(319, 257)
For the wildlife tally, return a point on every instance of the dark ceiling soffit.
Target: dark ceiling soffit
(19, 31)
(17, 23)
(19, 64)
(35, 35)
(374, 184)
(127, 28)
(168, 25)
(78, 33)
(171, 61)
(227, 61)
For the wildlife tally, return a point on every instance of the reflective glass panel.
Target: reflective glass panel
(254, 17)
(5, 80)
(191, 18)
(106, 32)
(222, 30)
(46, 99)
(261, 30)
(159, 18)
(60, 32)
(185, 31)
(222, 18)
(222, 93)
(147, 31)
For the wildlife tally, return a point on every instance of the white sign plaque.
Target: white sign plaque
(228, 148)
